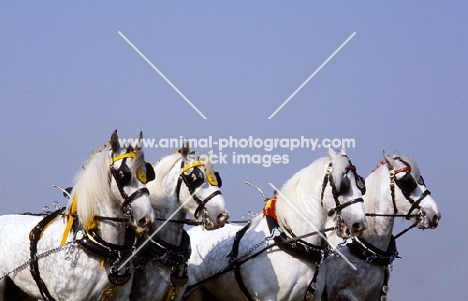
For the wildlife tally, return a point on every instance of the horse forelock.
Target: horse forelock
(340, 165)
(91, 187)
(412, 164)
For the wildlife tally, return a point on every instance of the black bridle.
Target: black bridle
(344, 188)
(194, 180)
(123, 177)
(407, 185)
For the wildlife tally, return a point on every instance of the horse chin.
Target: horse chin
(357, 233)
(208, 224)
(140, 230)
(429, 222)
(343, 232)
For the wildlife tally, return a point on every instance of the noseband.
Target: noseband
(122, 177)
(194, 180)
(344, 187)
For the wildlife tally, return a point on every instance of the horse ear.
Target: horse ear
(114, 141)
(332, 153)
(208, 158)
(185, 150)
(210, 154)
(139, 141)
(389, 159)
(343, 152)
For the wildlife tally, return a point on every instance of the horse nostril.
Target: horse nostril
(143, 222)
(435, 221)
(358, 227)
(222, 218)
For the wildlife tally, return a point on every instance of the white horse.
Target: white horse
(185, 184)
(262, 262)
(395, 188)
(76, 254)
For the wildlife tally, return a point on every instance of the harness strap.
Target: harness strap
(243, 260)
(344, 205)
(93, 244)
(158, 249)
(176, 256)
(34, 237)
(384, 288)
(232, 259)
(309, 296)
(202, 204)
(366, 251)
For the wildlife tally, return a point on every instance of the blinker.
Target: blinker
(124, 174)
(196, 178)
(214, 179)
(407, 183)
(146, 173)
(346, 183)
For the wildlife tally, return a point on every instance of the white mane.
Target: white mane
(161, 169)
(303, 189)
(91, 187)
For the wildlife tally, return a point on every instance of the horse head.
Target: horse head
(191, 182)
(131, 174)
(113, 183)
(199, 183)
(409, 193)
(341, 195)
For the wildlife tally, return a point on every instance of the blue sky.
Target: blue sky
(68, 79)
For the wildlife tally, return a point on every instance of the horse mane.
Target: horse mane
(161, 169)
(301, 189)
(92, 189)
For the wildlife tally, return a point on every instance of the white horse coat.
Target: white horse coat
(153, 280)
(367, 281)
(97, 193)
(274, 274)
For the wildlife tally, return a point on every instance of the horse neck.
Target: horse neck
(171, 232)
(378, 200)
(301, 196)
(165, 204)
(111, 231)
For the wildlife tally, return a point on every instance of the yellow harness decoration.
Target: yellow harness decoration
(131, 154)
(193, 164)
(70, 221)
(211, 178)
